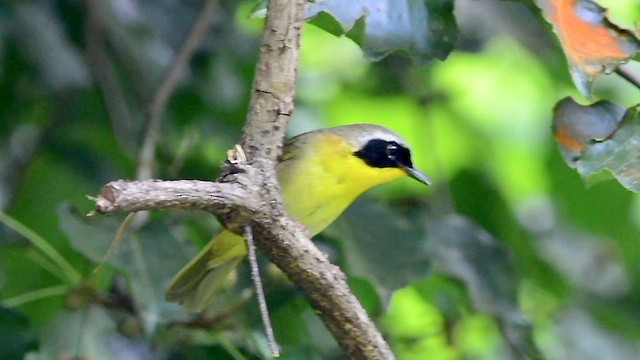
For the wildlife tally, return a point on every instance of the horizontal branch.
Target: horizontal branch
(283, 240)
(131, 196)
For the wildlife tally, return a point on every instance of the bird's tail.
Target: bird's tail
(198, 282)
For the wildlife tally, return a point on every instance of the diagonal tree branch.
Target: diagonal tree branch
(283, 240)
(272, 105)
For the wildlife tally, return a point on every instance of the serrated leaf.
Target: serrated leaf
(425, 29)
(593, 45)
(149, 256)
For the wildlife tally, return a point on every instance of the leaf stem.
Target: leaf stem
(35, 295)
(45, 263)
(72, 276)
(230, 348)
(123, 230)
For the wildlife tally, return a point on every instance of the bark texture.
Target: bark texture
(248, 193)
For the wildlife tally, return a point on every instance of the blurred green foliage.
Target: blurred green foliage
(509, 234)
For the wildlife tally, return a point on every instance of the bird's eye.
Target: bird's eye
(392, 151)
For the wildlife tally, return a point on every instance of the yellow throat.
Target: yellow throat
(321, 173)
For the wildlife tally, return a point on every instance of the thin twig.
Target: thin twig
(58, 290)
(165, 90)
(257, 284)
(104, 71)
(122, 232)
(222, 320)
(71, 275)
(628, 75)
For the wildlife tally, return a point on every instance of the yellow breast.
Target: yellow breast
(322, 178)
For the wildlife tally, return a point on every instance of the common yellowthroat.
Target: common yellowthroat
(321, 173)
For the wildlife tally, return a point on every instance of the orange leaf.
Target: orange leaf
(592, 44)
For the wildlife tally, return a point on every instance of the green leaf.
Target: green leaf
(416, 328)
(328, 23)
(15, 337)
(494, 214)
(366, 293)
(150, 257)
(71, 276)
(289, 324)
(618, 153)
(89, 334)
(382, 245)
(425, 29)
(464, 250)
(300, 332)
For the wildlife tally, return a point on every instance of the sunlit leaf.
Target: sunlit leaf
(367, 294)
(462, 249)
(593, 45)
(416, 327)
(289, 325)
(617, 152)
(150, 257)
(300, 332)
(425, 29)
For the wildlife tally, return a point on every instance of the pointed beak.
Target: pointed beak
(417, 174)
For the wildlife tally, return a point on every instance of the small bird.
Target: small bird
(321, 173)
